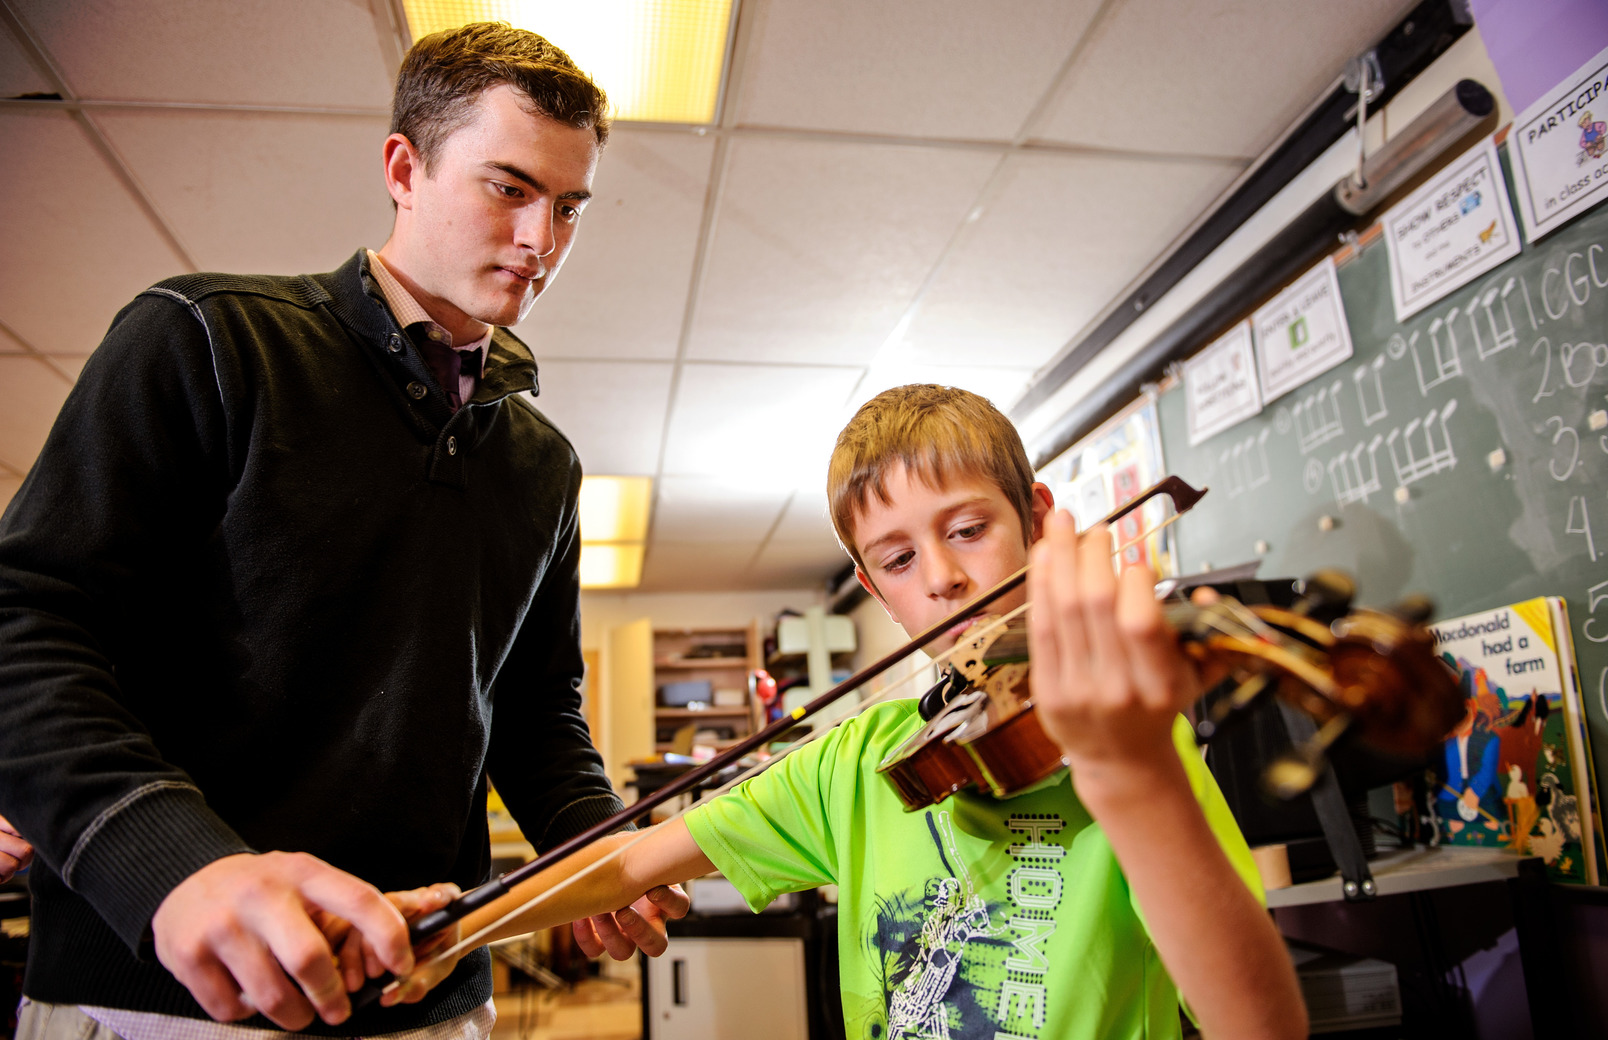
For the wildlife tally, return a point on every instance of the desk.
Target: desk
(1414, 872)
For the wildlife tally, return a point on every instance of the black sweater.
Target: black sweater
(263, 590)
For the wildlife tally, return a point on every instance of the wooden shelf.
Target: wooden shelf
(701, 713)
(700, 663)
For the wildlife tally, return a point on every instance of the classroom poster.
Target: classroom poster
(1509, 776)
(1453, 229)
(1220, 384)
(1559, 150)
(1301, 333)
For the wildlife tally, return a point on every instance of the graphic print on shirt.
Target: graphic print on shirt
(956, 967)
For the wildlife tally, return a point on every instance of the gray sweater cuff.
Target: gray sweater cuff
(140, 848)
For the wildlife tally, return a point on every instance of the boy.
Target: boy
(980, 917)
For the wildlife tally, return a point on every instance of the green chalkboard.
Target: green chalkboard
(1516, 362)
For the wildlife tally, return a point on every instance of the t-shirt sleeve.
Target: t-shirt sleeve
(772, 833)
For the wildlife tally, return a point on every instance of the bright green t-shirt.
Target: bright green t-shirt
(974, 919)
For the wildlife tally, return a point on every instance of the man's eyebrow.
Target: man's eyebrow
(537, 186)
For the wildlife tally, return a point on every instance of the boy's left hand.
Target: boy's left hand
(1108, 678)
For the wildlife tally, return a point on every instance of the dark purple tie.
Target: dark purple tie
(447, 364)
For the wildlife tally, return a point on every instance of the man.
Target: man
(291, 549)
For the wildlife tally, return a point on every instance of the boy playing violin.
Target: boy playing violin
(1089, 906)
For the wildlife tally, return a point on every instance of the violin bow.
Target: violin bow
(1183, 496)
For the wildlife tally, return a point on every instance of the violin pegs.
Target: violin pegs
(1293, 773)
(1327, 593)
(1415, 609)
(1234, 707)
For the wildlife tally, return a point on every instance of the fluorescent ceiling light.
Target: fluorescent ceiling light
(660, 61)
(614, 528)
(611, 566)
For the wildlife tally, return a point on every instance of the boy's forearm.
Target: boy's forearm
(614, 872)
(1216, 941)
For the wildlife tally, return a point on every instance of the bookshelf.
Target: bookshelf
(701, 679)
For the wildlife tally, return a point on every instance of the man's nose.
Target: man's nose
(535, 229)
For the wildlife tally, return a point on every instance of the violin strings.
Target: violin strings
(992, 625)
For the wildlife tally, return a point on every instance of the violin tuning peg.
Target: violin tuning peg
(1293, 773)
(1415, 609)
(1328, 591)
(1233, 707)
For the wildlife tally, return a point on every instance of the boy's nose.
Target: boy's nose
(945, 578)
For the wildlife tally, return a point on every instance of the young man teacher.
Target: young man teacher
(294, 574)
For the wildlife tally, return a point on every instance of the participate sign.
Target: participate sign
(1220, 384)
(1450, 231)
(1301, 333)
(1559, 150)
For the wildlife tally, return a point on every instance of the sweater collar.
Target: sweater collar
(357, 301)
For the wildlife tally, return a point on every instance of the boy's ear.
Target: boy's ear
(866, 584)
(1043, 506)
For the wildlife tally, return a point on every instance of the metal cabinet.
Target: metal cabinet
(725, 988)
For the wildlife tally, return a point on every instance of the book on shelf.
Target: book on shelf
(1516, 771)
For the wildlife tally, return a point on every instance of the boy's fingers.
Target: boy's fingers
(1158, 668)
(672, 900)
(586, 937)
(1097, 600)
(644, 934)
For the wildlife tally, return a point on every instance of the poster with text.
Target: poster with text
(1220, 384)
(1559, 150)
(1301, 333)
(1455, 228)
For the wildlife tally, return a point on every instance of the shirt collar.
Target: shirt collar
(409, 313)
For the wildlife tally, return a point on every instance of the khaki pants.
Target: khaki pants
(58, 1022)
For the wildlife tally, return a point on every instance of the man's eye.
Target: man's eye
(508, 191)
(569, 213)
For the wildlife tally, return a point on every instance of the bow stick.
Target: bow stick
(1183, 497)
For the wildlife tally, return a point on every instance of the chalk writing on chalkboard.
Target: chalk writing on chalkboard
(1370, 469)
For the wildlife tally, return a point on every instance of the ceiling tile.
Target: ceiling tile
(258, 192)
(30, 396)
(692, 567)
(1061, 236)
(268, 52)
(770, 425)
(612, 411)
(806, 517)
(819, 246)
(623, 290)
(939, 68)
(715, 509)
(809, 562)
(10, 344)
(69, 365)
(64, 211)
(1001, 385)
(18, 76)
(1140, 83)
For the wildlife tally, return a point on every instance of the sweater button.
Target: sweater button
(394, 344)
(452, 445)
(417, 390)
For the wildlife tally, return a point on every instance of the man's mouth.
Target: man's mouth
(525, 274)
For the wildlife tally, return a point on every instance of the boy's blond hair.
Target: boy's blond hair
(938, 432)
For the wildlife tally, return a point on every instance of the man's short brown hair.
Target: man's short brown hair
(445, 73)
(938, 432)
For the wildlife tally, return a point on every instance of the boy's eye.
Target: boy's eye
(971, 531)
(899, 562)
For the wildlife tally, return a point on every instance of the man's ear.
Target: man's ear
(402, 165)
(866, 584)
(1043, 506)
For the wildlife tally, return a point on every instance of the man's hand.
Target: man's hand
(638, 926)
(359, 961)
(15, 854)
(1108, 678)
(239, 934)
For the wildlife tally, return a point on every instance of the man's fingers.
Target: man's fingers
(263, 985)
(214, 988)
(363, 905)
(301, 950)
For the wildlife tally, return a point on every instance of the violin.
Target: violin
(1370, 662)
(1370, 672)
